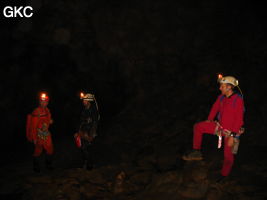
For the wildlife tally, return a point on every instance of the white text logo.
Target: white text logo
(15, 11)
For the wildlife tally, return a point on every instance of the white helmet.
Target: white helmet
(87, 97)
(228, 79)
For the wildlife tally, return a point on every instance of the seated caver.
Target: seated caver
(229, 110)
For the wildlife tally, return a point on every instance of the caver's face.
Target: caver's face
(225, 88)
(86, 103)
(43, 104)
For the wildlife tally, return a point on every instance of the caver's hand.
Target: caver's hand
(230, 141)
(241, 131)
(88, 137)
(76, 135)
(209, 120)
(227, 132)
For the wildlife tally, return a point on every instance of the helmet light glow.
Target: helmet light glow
(82, 95)
(220, 77)
(44, 97)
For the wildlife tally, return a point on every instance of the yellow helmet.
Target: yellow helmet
(87, 97)
(228, 79)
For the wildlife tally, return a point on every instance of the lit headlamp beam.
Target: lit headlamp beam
(220, 76)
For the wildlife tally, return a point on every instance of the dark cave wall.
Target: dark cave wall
(129, 50)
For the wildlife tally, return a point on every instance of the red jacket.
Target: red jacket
(230, 112)
(35, 121)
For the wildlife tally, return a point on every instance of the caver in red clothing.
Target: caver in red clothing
(229, 109)
(38, 123)
(42, 137)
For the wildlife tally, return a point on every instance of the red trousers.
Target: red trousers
(209, 128)
(43, 144)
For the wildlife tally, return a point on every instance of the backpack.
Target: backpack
(31, 127)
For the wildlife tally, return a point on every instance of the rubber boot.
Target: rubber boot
(36, 165)
(48, 162)
(86, 149)
(87, 165)
(90, 163)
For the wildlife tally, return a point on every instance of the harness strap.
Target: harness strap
(219, 131)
